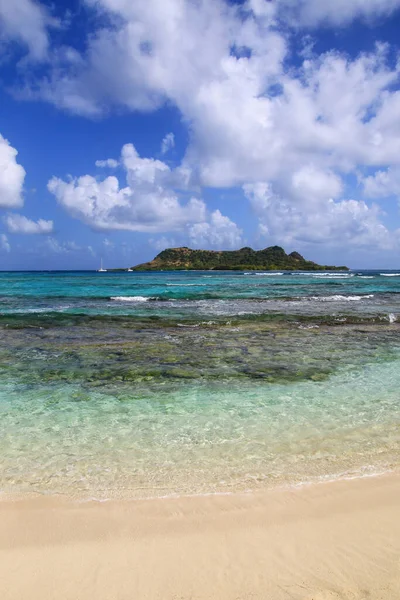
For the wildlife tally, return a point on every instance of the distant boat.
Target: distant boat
(101, 270)
(129, 270)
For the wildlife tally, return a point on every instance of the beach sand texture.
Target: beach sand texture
(326, 541)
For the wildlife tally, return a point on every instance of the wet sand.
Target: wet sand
(322, 542)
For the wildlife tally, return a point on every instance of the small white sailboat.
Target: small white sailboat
(101, 270)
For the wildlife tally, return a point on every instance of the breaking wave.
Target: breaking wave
(339, 298)
(133, 298)
(271, 274)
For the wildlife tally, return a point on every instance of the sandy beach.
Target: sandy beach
(326, 541)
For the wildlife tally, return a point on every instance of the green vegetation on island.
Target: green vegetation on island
(273, 258)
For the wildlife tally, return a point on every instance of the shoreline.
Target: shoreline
(263, 489)
(326, 541)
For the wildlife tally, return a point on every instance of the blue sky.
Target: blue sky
(127, 127)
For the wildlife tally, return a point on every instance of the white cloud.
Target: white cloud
(216, 231)
(109, 163)
(27, 22)
(182, 52)
(4, 243)
(162, 243)
(151, 52)
(383, 184)
(20, 224)
(340, 12)
(187, 26)
(167, 143)
(219, 231)
(344, 223)
(310, 185)
(250, 117)
(336, 114)
(253, 114)
(147, 203)
(53, 245)
(12, 176)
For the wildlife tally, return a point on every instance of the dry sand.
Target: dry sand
(320, 542)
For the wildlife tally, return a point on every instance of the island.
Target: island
(273, 258)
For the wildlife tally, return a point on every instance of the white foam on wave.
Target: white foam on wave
(339, 298)
(332, 275)
(365, 276)
(390, 274)
(270, 274)
(132, 298)
(392, 318)
(23, 311)
(47, 309)
(363, 473)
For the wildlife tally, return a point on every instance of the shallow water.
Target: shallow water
(146, 384)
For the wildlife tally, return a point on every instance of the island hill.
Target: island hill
(273, 258)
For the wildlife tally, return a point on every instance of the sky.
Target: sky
(129, 126)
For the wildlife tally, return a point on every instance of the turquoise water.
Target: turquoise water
(147, 384)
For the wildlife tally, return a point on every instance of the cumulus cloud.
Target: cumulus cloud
(26, 21)
(20, 224)
(337, 114)
(4, 243)
(55, 246)
(250, 117)
(151, 51)
(383, 184)
(338, 13)
(109, 163)
(219, 231)
(163, 242)
(168, 143)
(147, 203)
(343, 223)
(12, 176)
(300, 130)
(310, 185)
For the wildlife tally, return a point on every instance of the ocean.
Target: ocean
(175, 383)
